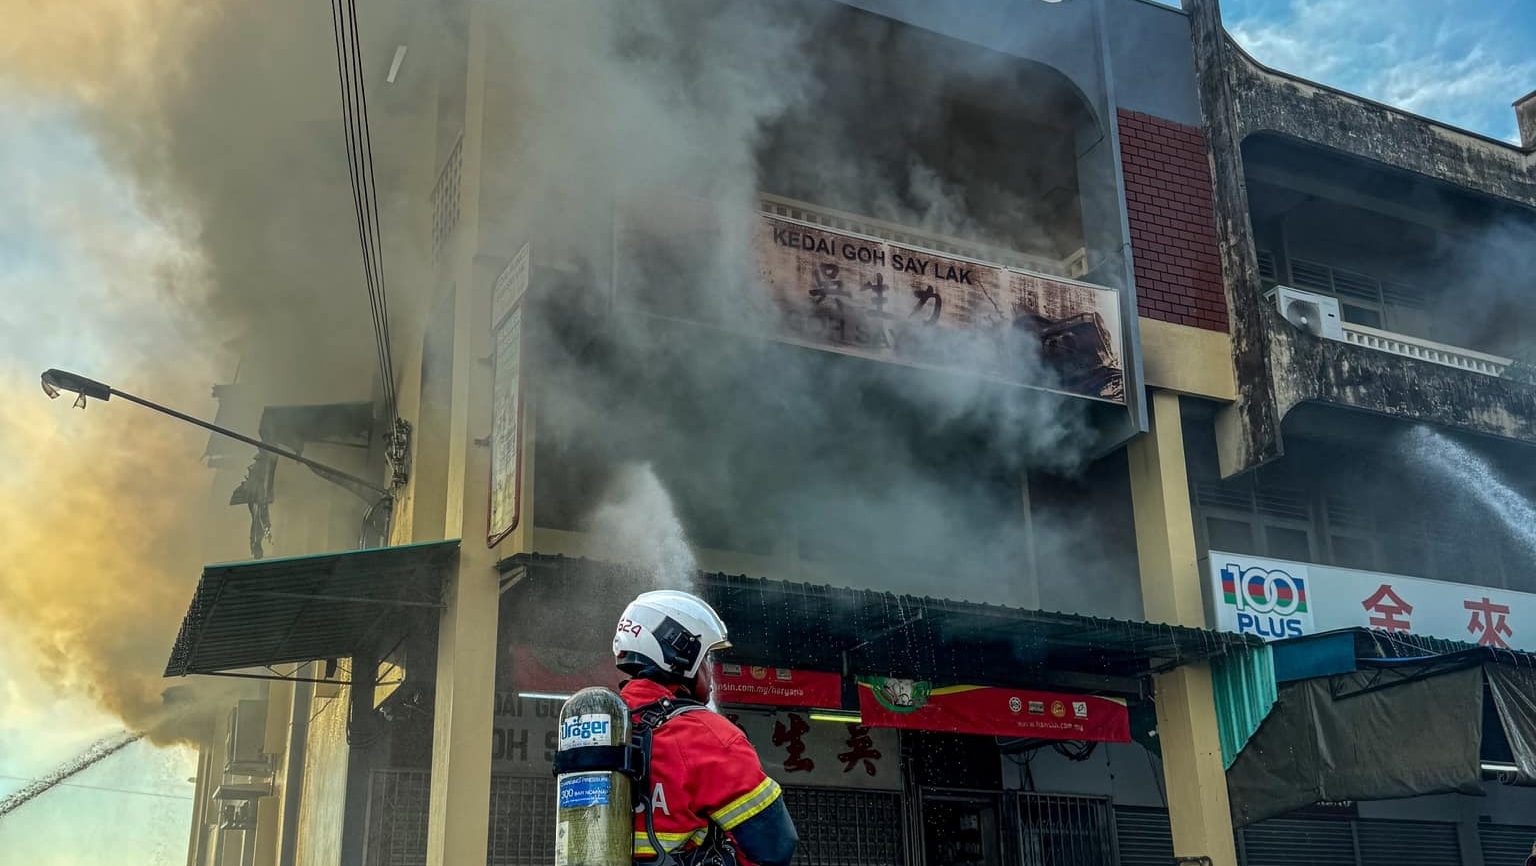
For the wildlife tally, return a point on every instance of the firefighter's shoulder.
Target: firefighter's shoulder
(713, 725)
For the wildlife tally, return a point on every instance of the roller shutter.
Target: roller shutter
(1143, 836)
(1289, 841)
(1393, 843)
(1506, 844)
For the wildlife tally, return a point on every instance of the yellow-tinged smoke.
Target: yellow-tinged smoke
(173, 207)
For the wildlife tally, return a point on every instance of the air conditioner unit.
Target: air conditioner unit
(247, 734)
(1316, 314)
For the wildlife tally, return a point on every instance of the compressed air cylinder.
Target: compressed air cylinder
(594, 816)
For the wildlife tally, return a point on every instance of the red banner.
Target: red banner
(893, 703)
(777, 687)
(561, 671)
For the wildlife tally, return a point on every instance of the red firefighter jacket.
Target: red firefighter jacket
(702, 769)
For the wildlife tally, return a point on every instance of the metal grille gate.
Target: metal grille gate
(397, 817)
(522, 819)
(841, 827)
(1057, 830)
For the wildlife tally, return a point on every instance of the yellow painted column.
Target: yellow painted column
(1193, 774)
(458, 816)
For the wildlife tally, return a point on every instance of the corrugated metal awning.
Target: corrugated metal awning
(774, 622)
(304, 608)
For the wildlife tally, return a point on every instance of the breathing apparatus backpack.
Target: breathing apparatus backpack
(602, 778)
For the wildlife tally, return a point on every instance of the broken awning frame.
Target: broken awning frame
(298, 609)
(800, 625)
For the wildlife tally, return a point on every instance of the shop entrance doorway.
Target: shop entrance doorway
(962, 828)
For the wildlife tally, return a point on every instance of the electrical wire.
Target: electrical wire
(100, 788)
(360, 175)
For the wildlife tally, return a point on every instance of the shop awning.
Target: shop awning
(304, 608)
(782, 623)
(1368, 715)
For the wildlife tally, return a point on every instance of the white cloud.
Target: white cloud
(1444, 61)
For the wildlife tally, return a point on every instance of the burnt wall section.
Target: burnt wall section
(1173, 228)
(1248, 431)
(1310, 369)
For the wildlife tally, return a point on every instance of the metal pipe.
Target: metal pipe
(55, 381)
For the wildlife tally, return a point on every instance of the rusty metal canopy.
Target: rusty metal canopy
(305, 608)
(859, 631)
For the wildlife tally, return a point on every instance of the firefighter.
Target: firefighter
(707, 799)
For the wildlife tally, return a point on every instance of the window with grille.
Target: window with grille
(1057, 830)
(1239, 516)
(1367, 300)
(445, 198)
(843, 827)
(397, 817)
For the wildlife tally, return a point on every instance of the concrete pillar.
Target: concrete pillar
(458, 818)
(1193, 773)
(1525, 116)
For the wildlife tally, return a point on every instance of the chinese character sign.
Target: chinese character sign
(796, 749)
(1490, 622)
(1388, 610)
(881, 300)
(791, 737)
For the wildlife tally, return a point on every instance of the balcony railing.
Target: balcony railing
(1426, 350)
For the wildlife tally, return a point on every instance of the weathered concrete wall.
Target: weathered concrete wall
(1248, 431)
(1269, 101)
(1307, 368)
(1278, 367)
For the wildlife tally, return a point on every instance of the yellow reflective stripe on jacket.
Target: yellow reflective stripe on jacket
(732, 814)
(669, 841)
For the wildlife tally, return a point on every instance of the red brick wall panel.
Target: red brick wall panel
(1173, 223)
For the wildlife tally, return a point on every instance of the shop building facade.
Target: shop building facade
(1045, 519)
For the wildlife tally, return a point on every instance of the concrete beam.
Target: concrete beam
(1192, 361)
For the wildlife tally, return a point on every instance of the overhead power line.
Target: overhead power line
(365, 197)
(84, 787)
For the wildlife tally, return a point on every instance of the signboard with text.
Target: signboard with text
(1274, 599)
(992, 711)
(839, 291)
(797, 750)
(794, 749)
(507, 398)
(777, 687)
(882, 300)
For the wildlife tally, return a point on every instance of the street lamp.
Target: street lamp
(57, 381)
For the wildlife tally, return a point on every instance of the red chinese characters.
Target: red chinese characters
(1489, 622)
(793, 739)
(861, 748)
(1388, 610)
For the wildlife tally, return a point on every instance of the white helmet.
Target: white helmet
(669, 631)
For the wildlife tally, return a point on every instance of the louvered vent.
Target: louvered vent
(1283, 503)
(1212, 495)
(1267, 273)
(1347, 514)
(1311, 276)
(1352, 285)
(1400, 295)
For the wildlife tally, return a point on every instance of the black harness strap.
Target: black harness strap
(648, 719)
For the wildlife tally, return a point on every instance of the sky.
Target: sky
(83, 282)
